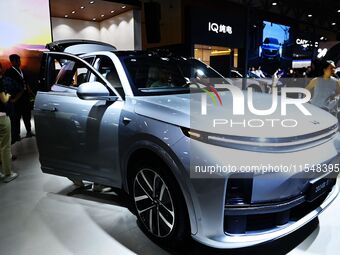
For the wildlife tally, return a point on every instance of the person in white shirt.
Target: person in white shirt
(259, 73)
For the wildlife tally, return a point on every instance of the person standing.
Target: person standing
(276, 76)
(324, 87)
(259, 72)
(20, 101)
(5, 134)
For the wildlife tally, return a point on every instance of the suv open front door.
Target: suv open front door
(84, 139)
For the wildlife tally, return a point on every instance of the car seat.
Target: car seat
(153, 75)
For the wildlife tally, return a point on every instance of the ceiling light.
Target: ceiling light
(102, 15)
(66, 16)
(91, 2)
(94, 19)
(274, 3)
(82, 7)
(112, 11)
(333, 24)
(339, 10)
(310, 15)
(73, 12)
(321, 38)
(124, 7)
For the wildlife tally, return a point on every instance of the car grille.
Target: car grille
(270, 52)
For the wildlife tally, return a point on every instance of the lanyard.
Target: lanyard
(19, 72)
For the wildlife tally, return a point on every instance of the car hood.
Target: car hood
(184, 110)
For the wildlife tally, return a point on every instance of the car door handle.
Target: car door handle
(49, 109)
(126, 120)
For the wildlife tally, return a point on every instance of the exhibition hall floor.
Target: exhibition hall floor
(46, 214)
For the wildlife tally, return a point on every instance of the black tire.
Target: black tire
(153, 189)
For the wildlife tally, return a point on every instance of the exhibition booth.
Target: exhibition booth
(143, 144)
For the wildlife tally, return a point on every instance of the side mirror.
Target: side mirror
(93, 91)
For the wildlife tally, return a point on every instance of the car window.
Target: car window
(154, 72)
(69, 73)
(274, 41)
(157, 75)
(106, 67)
(271, 40)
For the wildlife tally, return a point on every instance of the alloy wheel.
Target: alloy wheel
(154, 203)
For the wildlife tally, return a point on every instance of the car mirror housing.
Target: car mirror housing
(93, 91)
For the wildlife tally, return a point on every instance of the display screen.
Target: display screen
(302, 63)
(25, 29)
(270, 46)
(24, 23)
(275, 41)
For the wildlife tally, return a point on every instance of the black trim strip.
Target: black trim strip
(263, 208)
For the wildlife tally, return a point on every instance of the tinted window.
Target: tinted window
(107, 68)
(71, 73)
(68, 72)
(154, 74)
(271, 40)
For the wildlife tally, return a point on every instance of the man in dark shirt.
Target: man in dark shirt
(20, 99)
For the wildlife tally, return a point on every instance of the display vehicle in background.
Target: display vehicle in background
(270, 49)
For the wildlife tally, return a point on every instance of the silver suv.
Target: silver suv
(122, 119)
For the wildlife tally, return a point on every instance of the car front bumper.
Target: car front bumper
(207, 193)
(228, 241)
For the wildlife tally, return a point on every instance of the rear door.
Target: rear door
(76, 137)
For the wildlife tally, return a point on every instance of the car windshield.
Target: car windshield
(271, 40)
(155, 75)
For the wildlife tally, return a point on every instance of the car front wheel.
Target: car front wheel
(159, 205)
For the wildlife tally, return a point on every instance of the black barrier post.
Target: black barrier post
(246, 48)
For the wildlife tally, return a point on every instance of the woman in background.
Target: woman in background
(325, 87)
